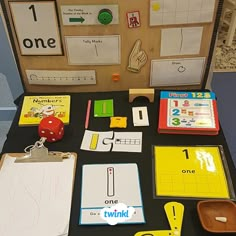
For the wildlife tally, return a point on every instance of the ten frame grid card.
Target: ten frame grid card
(191, 171)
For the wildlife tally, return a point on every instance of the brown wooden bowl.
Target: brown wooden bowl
(208, 210)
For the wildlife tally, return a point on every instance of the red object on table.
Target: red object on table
(51, 128)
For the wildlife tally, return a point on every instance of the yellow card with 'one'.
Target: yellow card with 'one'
(190, 171)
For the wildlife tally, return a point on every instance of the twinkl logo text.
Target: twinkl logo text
(117, 214)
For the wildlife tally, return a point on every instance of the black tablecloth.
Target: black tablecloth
(20, 137)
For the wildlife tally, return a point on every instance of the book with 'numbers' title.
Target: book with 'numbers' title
(35, 108)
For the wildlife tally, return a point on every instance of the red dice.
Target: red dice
(51, 128)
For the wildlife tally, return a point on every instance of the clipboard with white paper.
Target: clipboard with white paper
(35, 197)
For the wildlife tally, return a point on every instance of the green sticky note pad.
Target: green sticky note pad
(103, 108)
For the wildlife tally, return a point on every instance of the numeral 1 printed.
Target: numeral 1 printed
(32, 7)
(186, 153)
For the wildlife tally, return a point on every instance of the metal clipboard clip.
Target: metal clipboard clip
(39, 153)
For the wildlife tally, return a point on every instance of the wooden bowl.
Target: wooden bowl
(210, 209)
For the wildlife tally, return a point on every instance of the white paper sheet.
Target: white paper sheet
(35, 198)
(184, 71)
(181, 41)
(121, 186)
(93, 50)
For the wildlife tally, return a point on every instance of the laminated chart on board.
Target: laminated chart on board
(115, 183)
(166, 12)
(35, 197)
(191, 171)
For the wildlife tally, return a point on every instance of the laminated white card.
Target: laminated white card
(36, 26)
(105, 141)
(140, 116)
(105, 185)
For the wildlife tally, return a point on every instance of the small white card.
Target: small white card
(140, 116)
(105, 185)
(87, 14)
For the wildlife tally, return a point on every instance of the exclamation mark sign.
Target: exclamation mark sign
(174, 212)
(110, 182)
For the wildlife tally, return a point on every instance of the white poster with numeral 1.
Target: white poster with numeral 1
(36, 26)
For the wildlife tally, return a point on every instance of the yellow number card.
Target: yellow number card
(190, 171)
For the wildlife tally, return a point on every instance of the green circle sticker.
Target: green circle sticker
(105, 16)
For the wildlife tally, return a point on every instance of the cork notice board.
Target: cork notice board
(103, 45)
